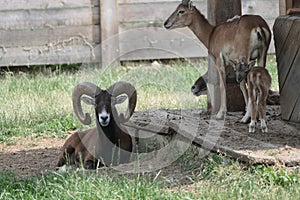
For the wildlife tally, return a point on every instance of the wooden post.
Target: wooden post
(109, 30)
(219, 11)
(285, 5)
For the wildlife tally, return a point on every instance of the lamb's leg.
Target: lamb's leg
(252, 98)
(262, 111)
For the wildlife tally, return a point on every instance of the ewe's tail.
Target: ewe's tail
(261, 34)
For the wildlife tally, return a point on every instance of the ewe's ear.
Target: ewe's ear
(190, 5)
(119, 99)
(251, 64)
(185, 2)
(233, 63)
(88, 101)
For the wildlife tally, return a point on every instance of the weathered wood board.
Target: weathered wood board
(287, 43)
(48, 32)
(30, 24)
(280, 146)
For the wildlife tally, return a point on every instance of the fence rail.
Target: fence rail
(71, 31)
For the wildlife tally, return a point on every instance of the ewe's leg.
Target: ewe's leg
(222, 75)
(262, 57)
(244, 91)
(247, 115)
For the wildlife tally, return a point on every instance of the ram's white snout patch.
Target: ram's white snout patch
(104, 118)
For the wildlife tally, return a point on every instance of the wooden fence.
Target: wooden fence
(287, 37)
(71, 31)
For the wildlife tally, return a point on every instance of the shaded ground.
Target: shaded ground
(281, 145)
(30, 156)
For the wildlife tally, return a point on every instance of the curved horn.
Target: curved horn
(84, 88)
(123, 87)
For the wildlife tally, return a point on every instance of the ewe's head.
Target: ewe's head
(104, 101)
(182, 16)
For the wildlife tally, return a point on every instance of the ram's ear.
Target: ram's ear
(119, 99)
(88, 100)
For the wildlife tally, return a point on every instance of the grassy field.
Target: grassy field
(38, 104)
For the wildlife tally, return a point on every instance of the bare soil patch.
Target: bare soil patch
(30, 156)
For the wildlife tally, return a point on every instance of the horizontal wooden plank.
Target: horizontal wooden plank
(149, 1)
(43, 18)
(46, 55)
(9, 5)
(158, 43)
(154, 11)
(160, 11)
(159, 1)
(96, 2)
(46, 36)
(157, 54)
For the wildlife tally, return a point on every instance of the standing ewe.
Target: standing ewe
(246, 37)
(108, 143)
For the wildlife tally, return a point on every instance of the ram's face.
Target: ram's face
(103, 106)
(104, 102)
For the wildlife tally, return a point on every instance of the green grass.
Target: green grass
(272, 68)
(39, 105)
(211, 178)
